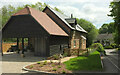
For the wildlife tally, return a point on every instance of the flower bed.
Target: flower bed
(48, 67)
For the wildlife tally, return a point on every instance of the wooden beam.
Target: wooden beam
(18, 45)
(1, 48)
(60, 47)
(22, 45)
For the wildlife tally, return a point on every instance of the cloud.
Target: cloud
(91, 11)
(94, 11)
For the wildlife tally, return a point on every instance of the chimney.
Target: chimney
(71, 15)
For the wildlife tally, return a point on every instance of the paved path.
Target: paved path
(13, 62)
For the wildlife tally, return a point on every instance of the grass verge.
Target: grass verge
(90, 63)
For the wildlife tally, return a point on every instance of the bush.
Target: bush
(45, 62)
(41, 65)
(99, 47)
(31, 66)
(114, 45)
(38, 62)
(108, 47)
(56, 57)
(53, 65)
(54, 69)
(65, 54)
(63, 71)
(59, 66)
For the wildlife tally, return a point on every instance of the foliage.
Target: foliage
(31, 66)
(107, 28)
(45, 62)
(63, 71)
(115, 13)
(54, 69)
(56, 57)
(114, 45)
(108, 47)
(65, 54)
(98, 46)
(41, 65)
(90, 28)
(59, 66)
(38, 62)
(92, 62)
(53, 65)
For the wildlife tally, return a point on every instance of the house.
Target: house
(105, 39)
(48, 31)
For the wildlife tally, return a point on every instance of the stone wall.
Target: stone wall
(80, 42)
(55, 49)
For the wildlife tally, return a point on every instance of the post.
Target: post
(22, 45)
(60, 47)
(1, 47)
(18, 45)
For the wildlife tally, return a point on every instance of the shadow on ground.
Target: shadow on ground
(14, 57)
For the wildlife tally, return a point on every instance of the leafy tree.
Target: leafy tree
(115, 13)
(107, 28)
(90, 28)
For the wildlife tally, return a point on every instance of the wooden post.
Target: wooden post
(1, 48)
(60, 47)
(22, 45)
(18, 45)
(28, 41)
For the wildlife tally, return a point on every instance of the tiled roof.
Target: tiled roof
(43, 19)
(104, 36)
(64, 17)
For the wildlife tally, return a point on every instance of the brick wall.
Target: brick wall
(80, 42)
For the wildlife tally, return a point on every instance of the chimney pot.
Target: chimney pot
(71, 15)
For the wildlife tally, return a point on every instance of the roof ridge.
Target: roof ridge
(28, 9)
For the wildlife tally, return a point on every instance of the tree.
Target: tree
(90, 28)
(115, 13)
(107, 28)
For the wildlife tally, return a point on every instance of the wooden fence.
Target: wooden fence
(6, 46)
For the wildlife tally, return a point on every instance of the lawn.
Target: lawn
(90, 63)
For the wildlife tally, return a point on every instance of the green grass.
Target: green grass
(90, 63)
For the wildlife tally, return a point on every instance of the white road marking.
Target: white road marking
(114, 64)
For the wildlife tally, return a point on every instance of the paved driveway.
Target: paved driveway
(13, 62)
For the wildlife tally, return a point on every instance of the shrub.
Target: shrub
(108, 47)
(65, 54)
(54, 69)
(99, 47)
(41, 65)
(45, 62)
(63, 71)
(114, 45)
(59, 66)
(53, 65)
(38, 62)
(56, 57)
(31, 66)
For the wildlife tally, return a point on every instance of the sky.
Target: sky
(94, 11)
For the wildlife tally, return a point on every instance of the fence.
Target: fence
(6, 46)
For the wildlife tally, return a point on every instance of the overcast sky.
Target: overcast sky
(94, 11)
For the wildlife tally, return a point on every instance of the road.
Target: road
(112, 56)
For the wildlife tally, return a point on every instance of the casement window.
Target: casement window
(74, 43)
(84, 41)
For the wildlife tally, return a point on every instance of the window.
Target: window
(74, 43)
